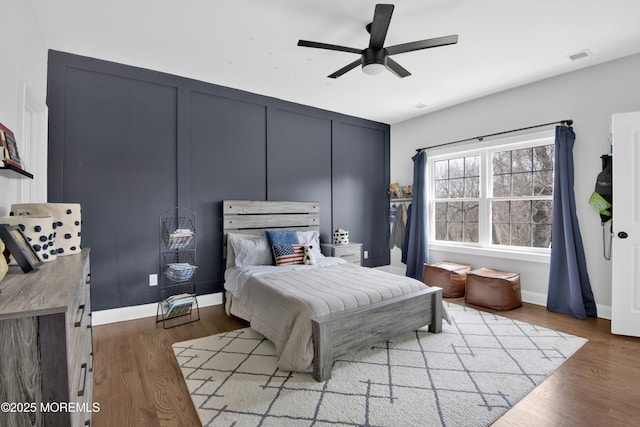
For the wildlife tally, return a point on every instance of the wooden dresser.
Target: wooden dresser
(46, 367)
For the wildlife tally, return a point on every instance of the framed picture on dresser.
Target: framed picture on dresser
(19, 248)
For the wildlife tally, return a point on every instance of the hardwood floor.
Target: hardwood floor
(137, 381)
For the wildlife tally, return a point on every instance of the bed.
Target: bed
(314, 314)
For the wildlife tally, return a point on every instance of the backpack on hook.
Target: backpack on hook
(602, 199)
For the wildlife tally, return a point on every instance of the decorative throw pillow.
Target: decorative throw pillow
(311, 238)
(280, 237)
(288, 254)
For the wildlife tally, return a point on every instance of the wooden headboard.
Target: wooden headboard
(254, 217)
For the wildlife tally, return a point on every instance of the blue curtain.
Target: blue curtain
(569, 287)
(416, 231)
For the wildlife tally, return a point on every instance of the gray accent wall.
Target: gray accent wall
(128, 143)
(356, 174)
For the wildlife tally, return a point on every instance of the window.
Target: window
(497, 195)
(457, 194)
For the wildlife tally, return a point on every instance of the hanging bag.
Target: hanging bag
(602, 200)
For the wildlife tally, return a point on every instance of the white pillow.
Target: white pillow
(311, 238)
(249, 250)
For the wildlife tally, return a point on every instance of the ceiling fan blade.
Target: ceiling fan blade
(343, 70)
(380, 25)
(422, 44)
(306, 43)
(396, 68)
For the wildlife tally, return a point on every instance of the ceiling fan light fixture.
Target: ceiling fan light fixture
(373, 60)
(373, 69)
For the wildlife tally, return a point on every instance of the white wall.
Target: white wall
(24, 65)
(589, 97)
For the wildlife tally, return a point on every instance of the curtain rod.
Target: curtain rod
(567, 122)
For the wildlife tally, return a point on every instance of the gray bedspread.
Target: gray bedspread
(281, 305)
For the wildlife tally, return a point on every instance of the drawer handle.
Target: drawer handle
(79, 316)
(348, 255)
(83, 368)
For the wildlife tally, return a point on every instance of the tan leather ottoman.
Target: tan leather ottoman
(499, 290)
(449, 276)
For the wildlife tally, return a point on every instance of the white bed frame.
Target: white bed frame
(339, 333)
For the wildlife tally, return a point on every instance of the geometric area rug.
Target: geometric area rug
(468, 375)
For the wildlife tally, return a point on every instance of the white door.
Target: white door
(625, 298)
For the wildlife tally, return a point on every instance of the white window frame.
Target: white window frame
(485, 150)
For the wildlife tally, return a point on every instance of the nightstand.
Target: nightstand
(351, 252)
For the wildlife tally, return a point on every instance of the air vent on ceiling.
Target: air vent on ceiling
(580, 55)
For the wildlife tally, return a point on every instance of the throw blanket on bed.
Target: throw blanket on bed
(281, 305)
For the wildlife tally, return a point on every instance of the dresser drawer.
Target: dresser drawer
(351, 252)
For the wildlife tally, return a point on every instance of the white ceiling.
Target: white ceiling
(251, 45)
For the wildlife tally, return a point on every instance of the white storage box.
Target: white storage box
(38, 231)
(67, 220)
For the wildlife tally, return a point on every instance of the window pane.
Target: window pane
(442, 169)
(441, 211)
(541, 213)
(472, 166)
(455, 231)
(471, 232)
(470, 211)
(522, 184)
(454, 211)
(442, 189)
(543, 158)
(457, 221)
(500, 211)
(521, 211)
(458, 178)
(502, 162)
(520, 235)
(501, 185)
(500, 234)
(529, 224)
(456, 168)
(456, 188)
(522, 160)
(471, 187)
(543, 183)
(541, 236)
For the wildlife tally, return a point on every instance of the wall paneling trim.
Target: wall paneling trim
(128, 143)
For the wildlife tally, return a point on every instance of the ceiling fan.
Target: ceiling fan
(376, 58)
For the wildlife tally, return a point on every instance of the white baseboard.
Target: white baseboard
(534, 298)
(604, 311)
(123, 314)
